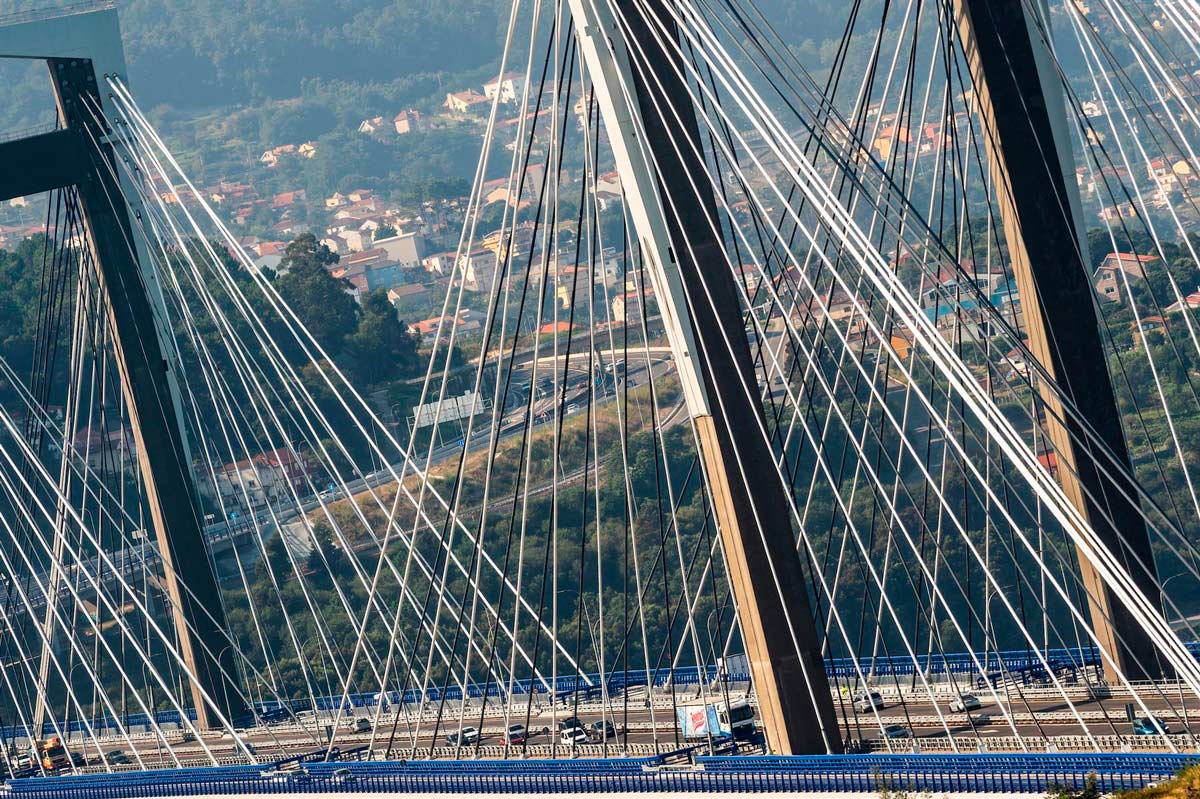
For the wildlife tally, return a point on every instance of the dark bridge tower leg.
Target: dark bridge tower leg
(757, 534)
(134, 310)
(699, 301)
(1021, 104)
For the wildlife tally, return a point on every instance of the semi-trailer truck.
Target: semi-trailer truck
(716, 719)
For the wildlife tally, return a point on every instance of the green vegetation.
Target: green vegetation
(570, 532)
(1185, 785)
(21, 295)
(263, 73)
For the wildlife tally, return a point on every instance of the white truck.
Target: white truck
(716, 719)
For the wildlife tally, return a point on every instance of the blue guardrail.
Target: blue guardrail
(982, 774)
(1017, 664)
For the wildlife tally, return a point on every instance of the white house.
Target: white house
(462, 102)
(477, 269)
(407, 121)
(406, 249)
(250, 485)
(509, 86)
(371, 126)
(439, 262)
(343, 239)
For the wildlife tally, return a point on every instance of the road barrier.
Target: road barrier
(988, 774)
(1023, 667)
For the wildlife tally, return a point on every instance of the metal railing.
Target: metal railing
(25, 133)
(983, 774)
(56, 11)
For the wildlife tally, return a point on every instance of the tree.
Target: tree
(294, 123)
(384, 232)
(381, 349)
(320, 301)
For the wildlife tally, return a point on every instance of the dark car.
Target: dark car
(1149, 725)
(118, 757)
(602, 730)
(274, 715)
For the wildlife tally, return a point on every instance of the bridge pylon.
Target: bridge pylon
(1020, 102)
(668, 193)
(82, 47)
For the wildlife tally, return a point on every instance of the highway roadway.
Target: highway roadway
(641, 730)
(223, 534)
(1034, 714)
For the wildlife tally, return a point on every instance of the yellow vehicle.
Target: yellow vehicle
(52, 754)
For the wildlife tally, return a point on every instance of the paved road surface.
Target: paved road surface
(640, 729)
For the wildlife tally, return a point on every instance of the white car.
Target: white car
(965, 702)
(469, 735)
(867, 701)
(516, 734)
(573, 736)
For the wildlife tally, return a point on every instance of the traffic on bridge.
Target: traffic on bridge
(796, 410)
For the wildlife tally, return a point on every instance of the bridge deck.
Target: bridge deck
(984, 774)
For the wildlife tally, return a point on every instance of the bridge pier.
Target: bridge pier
(81, 49)
(1021, 104)
(698, 298)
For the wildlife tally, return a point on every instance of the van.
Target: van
(469, 735)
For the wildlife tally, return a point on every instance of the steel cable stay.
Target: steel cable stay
(559, 544)
(491, 563)
(377, 677)
(360, 475)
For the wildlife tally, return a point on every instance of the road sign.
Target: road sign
(450, 409)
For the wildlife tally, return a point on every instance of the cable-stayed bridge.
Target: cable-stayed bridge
(808, 438)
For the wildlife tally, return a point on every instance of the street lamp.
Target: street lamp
(1162, 588)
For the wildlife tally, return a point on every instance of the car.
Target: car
(565, 724)
(249, 747)
(965, 702)
(895, 731)
(463, 737)
(573, 736)
(362, 724)
(78, 760)
(1149, 725)
(274, 716)
(866, 701)
(118, 757)
(602, 730)
(516, 734)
